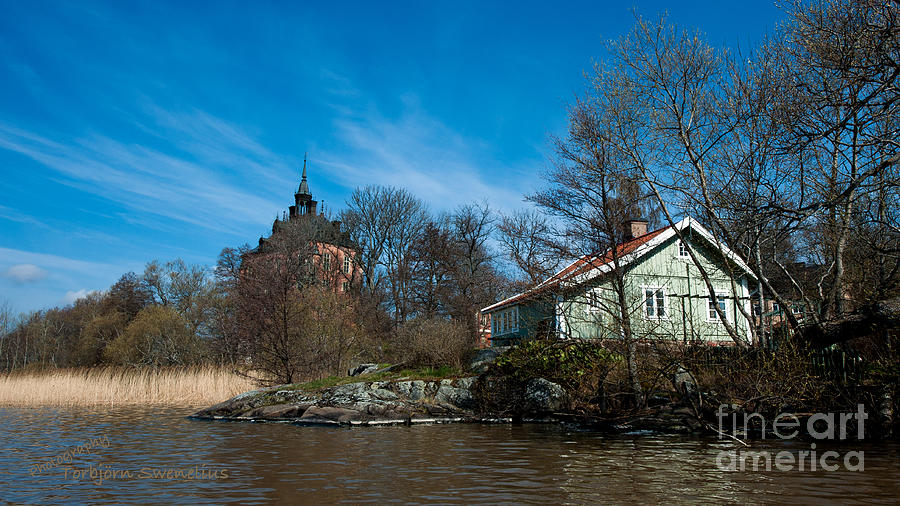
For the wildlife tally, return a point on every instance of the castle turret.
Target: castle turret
(305, 205)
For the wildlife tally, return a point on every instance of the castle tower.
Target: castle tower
(304, 203)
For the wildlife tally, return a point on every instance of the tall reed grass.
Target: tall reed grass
(112, 386)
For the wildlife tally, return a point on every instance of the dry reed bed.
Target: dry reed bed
(112, 386)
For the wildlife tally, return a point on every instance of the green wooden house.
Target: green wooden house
(666, 296)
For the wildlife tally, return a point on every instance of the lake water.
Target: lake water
(255, 463)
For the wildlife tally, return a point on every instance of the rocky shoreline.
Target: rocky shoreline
(360, 403)
(412, 402)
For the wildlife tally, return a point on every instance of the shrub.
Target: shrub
(578, 366)
(568, 363)
(433, 342)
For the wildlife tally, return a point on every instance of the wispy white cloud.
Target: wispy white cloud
(56, 265)
(64, 276)
(24, 273)
(205, 182)
(10, 214)
(71, 296)
(338, 84)
(424, 155)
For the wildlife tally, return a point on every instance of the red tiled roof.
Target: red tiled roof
(580, 266)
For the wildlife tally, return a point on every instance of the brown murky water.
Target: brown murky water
(219, 462)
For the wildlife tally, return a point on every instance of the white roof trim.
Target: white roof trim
(664, 236)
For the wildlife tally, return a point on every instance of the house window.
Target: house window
(683, 250)
(326, 262)
(593, 301)
(345, 286)
(711, 314)
(346, 264)
(796, 309)
(655, 303)
(505, 321)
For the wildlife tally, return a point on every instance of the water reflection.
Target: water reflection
(435, 464)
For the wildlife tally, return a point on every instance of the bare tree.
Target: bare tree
(433, 258)
(526, 238)
(473, 274)
(7, 324)
(291, 322)
(366, 221)
(189, 289)
(594, 194)
(777, 147)
(386, 222)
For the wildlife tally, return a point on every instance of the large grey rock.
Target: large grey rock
(277, 411)
(383, 394)
(684, 381)
(544, 396)
(350, 393)
(362, 369)
(482, 359)
(330, 413)
(239, 404)
(412, 390)
(464, 383)
(459, 397)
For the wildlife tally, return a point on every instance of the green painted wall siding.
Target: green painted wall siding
(686, 301)
(686, 298)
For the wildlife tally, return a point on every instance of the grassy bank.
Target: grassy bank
(110, 386)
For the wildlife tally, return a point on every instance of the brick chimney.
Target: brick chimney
(634, 228)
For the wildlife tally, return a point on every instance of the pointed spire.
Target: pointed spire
(304, 187)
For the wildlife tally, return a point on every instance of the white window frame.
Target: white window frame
(346, 264)
(665, 302)
(711, 315)
(683, 250)
(345, 286)
(505, 321)
(326, 262)
(593, 300)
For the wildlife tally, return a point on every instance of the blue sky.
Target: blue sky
(133, 131)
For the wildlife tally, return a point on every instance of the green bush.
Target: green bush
(578, 366)
(568, 363)
(157, 336)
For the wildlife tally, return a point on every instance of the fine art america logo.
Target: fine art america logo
(820, 426)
